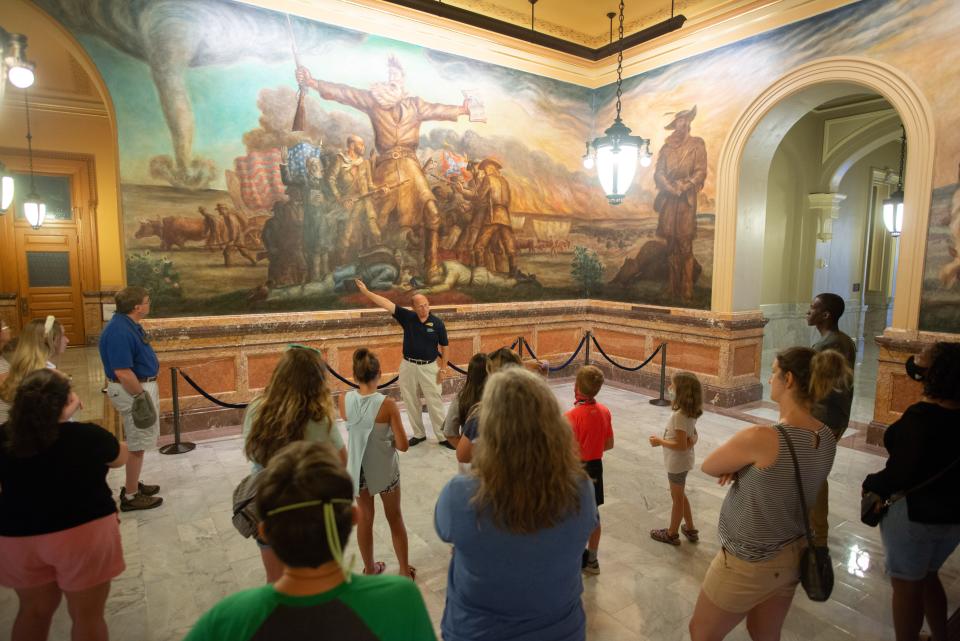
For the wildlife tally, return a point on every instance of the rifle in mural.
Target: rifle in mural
(299, 117)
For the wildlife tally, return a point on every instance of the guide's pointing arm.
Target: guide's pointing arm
(376, 299)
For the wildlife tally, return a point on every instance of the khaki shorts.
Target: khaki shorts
(737, 586)
(137, 439)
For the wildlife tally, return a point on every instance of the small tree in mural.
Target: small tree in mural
(587, 270)
(156, 275)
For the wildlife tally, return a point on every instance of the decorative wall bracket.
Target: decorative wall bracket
(827, 209)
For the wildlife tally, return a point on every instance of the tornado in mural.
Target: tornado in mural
(396, 118)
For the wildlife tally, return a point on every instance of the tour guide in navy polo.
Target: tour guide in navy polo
(131, 367)
(424, 359)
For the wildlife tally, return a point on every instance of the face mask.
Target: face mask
(914, 371)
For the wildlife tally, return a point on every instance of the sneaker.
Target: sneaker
(416, 440)
(147, 490)
(447, 445)
(591, 567)
(138, 501)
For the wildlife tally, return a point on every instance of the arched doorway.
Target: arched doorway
(747, 153)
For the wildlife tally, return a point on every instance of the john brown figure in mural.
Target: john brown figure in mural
(396, 118)
(351, 184)
(681, 172)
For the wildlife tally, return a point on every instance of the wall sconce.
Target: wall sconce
(893, 206)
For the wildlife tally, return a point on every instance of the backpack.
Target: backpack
(245, 516)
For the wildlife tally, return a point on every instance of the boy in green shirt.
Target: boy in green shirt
(306, 499)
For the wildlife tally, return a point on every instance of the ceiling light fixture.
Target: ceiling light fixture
(34, 209)
(15, 66)
(616, 153)
(893, 206)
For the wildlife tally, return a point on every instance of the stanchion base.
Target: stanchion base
(177, 448)
(660, 402)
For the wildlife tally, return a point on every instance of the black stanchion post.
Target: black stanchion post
(178, 446)
(586, 357)
(520, 346)
(662, 401)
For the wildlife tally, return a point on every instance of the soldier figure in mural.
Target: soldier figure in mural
(493, 201)
(680, 174)
(316, 233)
(468, 237)
(396, 119)
(352, 186)
(283, 241)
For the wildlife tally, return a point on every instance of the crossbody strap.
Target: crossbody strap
(796, 469)
(930, 480)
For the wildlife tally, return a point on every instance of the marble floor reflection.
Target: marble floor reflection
(183, 557)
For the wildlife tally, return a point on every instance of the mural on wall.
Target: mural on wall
(250, 186)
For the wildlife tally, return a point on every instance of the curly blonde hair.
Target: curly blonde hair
(35, 348)
(526, 458)
(297, 393)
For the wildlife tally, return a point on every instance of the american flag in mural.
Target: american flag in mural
(297, 159)
(260, 183)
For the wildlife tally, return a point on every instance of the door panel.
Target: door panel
(49, 275)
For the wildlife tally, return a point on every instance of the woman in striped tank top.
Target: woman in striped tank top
(761, 526)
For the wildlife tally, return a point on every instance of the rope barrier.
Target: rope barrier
(624, 367)
(568, 361)
(212, 399)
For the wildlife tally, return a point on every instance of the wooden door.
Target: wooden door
(49, 277)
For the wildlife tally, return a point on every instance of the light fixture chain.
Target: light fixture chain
(26, 104)
(903, 152)
(620, 63)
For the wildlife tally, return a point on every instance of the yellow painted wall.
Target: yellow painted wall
(64, 118)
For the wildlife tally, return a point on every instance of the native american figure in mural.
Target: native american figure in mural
(396, 118)
(680, 174)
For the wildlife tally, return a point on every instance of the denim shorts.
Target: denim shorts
(914, 550)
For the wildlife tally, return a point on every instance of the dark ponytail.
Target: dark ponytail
(942, 380)
(34, 422)
(818, 374)
(366, 366)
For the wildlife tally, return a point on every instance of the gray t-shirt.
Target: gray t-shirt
(834, 410)
(677, 461)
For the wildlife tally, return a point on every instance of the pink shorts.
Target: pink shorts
(76, 559)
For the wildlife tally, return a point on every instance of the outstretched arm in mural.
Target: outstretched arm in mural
(376, 299)
(366, 100)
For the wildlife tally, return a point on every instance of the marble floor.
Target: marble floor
(183, 557)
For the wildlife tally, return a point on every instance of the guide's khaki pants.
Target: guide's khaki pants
(418, 379)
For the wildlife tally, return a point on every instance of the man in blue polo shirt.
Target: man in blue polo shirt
(424, 360)
(131, 367)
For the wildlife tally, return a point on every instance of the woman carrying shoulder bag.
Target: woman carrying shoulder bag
(763, 520)
(50, 545)
(921, 531)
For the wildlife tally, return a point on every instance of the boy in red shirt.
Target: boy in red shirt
(593, 429)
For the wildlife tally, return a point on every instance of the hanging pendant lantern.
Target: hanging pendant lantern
(617, 153)
(893, 206)
(34, 209)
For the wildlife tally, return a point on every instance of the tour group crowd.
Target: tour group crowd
(522, 515)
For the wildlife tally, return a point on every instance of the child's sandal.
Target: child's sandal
(378, 568)
(692, 535)
(664, 537)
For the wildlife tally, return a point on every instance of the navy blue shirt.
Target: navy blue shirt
(123, 345)
(420, 340)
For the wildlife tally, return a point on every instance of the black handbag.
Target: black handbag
(816, 570)
(873, 507)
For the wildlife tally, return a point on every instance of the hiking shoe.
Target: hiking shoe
(416, 440)
(447, 444)
(591, 567)
(147, 490)
(138, 501)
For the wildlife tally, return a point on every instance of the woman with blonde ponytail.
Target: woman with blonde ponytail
(41, 342)
(762, 529)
